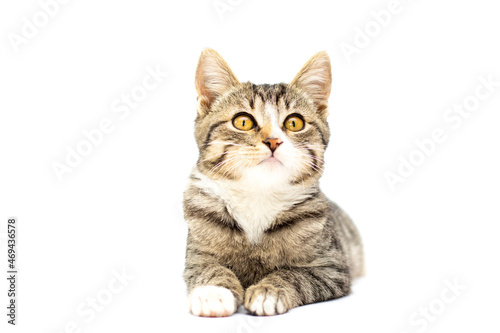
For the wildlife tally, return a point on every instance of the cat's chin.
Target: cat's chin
(270, 171)
(272, 166)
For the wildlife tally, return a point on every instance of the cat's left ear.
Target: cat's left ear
(315, 79)
(213, 78)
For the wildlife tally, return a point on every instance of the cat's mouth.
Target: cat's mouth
(271, 160)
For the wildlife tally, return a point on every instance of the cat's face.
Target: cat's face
(263, 133)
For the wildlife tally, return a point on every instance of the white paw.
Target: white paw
(212, 301)
(264, 302)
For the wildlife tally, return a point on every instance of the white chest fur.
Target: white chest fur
(254, 205)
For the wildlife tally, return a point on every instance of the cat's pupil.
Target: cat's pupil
(243, 123)
(293, 123)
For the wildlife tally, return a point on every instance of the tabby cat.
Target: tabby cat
(261, 232)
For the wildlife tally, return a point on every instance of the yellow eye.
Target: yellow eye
(243, 122)
(294, 123)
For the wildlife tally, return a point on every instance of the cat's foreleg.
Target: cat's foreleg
(214, 290)
(285, 289)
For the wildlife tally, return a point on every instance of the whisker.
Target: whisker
(223, 143)
(212, 156)
(219, 165)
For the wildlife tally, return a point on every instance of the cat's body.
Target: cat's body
(261, 233)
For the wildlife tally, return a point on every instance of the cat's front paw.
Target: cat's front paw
(212, 301)
(266, 300)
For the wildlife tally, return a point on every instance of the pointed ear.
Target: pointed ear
(315, 79)
(213, 78)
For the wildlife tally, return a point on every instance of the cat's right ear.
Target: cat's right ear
(213, 78)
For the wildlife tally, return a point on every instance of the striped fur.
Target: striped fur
(260, 227)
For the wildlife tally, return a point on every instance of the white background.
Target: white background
(121, 207)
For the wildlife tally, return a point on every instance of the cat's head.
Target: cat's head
(263, 133)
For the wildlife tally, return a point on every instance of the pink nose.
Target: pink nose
(272, 143)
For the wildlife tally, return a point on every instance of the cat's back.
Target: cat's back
(348, 235)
